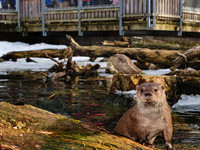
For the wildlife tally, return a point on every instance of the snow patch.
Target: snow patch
(187, 103)
(157, 72)
(127, 94)
(6, 47)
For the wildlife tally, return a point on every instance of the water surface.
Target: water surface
(89, 100)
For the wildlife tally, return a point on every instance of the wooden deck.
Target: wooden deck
(128, 15)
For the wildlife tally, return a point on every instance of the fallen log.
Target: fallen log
(31, 128)
(191, 73)
(163, 58)
(60, 53)
(189, 58)
(121, 64)
(148, 42)
(174, 86)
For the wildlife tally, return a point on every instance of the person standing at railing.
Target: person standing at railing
(115, 2)
(51, 3)
(9, 4)
(86, 2)
(1, 4)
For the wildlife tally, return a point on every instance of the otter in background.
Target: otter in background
(149, 117)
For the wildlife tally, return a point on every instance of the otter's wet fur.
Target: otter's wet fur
(149, 117)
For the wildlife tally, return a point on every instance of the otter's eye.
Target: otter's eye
(142, 91)
(155, 90)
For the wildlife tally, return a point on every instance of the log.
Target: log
(121, 64)
(35, 53)
(148, 42)
(31, 128)
(189, 58)
(163, 58)
(174, 86)
(191, 73)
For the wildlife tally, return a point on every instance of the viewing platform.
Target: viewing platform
(99, 15)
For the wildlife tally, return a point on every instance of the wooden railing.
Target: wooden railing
(161, 10)
(30, 10)
(191, 15)
(8, 17)
(167, 8)
(134, 8)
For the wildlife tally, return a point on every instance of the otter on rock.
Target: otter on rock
(149, 117)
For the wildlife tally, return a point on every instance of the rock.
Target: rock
(121, 64)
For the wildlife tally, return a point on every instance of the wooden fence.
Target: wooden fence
(132, 8)
(8, 17)
(191, 15)
(31, 11)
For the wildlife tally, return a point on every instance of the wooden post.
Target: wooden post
(80, 33)
(43, 18)
(121, 32)
(181, 18)
(18, 14)
(154, 14)
(148, 14)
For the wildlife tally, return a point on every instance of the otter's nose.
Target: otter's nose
(147, 95)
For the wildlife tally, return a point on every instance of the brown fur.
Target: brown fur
(149, 117)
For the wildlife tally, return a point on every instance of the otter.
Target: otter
(149, 117)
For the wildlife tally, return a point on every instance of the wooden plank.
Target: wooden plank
(136, 7)
(132, 6)
(144, 6)
(140, 6)
(124, 6)
(127, 7)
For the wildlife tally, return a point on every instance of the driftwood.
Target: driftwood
(189, 58)
(191, 73)
(121, 64)
(35, 53)
(174, 86)
(162, 58)
(148, 42)
(71, 69)
(30, 128)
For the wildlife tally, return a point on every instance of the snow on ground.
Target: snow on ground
(187, 103)
(127, 94)
(157, 72)
(6, 47)
(42, 64)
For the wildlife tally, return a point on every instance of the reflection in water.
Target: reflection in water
(88, 100)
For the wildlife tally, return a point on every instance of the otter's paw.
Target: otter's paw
(145, 143)
(168, 148)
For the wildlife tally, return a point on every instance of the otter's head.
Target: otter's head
(150, 94)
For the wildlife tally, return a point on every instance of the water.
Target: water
(89, 101)
(86, 99)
